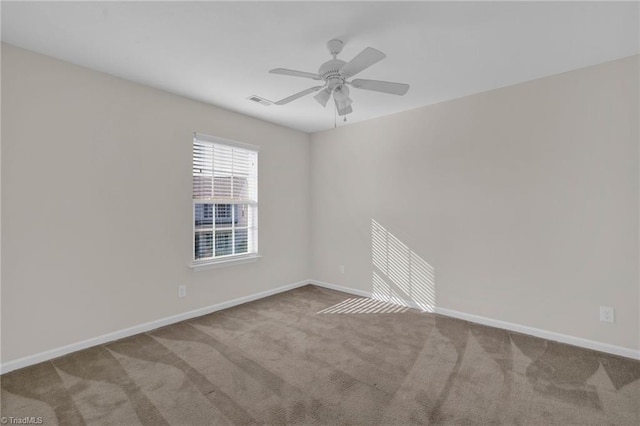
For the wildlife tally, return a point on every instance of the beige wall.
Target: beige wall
(96, 208)
(523, 200)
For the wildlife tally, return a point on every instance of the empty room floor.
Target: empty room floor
(318, 356)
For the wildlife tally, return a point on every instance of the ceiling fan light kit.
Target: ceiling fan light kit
(335, 74)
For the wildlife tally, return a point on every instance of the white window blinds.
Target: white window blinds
(224, 173)
(225, 198)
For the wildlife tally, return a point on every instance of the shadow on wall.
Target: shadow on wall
(400, 276)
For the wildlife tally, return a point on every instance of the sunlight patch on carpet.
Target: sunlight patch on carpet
(364, 305)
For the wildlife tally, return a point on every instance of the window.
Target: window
(225, 199)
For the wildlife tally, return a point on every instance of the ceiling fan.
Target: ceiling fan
(335, 74)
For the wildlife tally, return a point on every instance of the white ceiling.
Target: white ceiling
(221, 52)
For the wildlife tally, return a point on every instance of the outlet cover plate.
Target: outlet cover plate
(607, 314)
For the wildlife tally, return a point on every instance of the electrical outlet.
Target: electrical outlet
(182, 290)
(607, 314)
(342, 269)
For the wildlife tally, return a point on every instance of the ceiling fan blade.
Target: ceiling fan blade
(298, 95)
(363, 60)
(381, 86)
(323, 97)
(295, 73)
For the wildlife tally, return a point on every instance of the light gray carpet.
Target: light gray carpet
(310, 356)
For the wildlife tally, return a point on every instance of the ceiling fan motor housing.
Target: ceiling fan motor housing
(330, 72)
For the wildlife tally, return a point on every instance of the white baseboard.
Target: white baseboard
(545, 334)
(361, 293)
(109, 337)
(549, 335)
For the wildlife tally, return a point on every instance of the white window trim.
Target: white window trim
(236, 259)
(213, 139)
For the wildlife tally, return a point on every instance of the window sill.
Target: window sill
(219, 263)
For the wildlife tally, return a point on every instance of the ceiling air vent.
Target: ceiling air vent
(261, 101)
